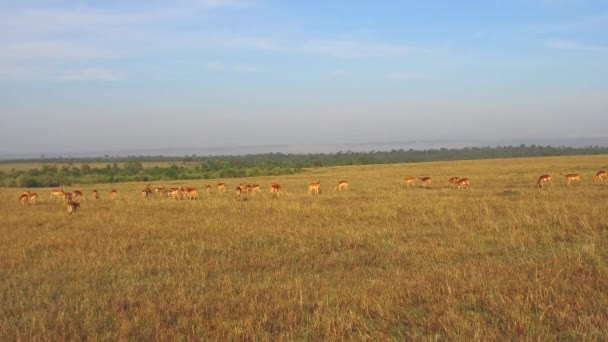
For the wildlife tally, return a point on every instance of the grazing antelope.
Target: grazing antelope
(255, 188)
(600, 176)
(341, 184)
(573, 177)
(113, 194)
(191, 193)
(409, 181)
(67, 196)
(462, 182)
(24, 198)
(314, 188)
(276, 188)
(56, 193)
(72, 206)
(426, 180)
(544, 179)
(174, 193)
(453, 181)
(33, 197)
(95, 194)
(209, 188)
(221, 187)
(78, 194)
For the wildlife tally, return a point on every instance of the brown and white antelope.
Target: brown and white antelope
(314, 188)
(453, 181)
(67, 196)
(409, 181)
(24, 198)
(426, 181)
(113, 194)
(72, 206)
(255, 188)
(544, 179)
(209, 188)
(276, 188)
(341, 185)
(191, 193)
(600, 176)
(463, 182)
(174, 193)
(33, 197)
(95, 194)
(79, 195)
(221, 187)
(56, 193)
(573, 177)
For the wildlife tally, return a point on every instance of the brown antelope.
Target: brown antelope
(67, 196)
(113, 194)
(544, 179)
(276, 188)
(255, 188)
(600, 176)
(409, 181)
(56, 193)
(145, 193)
(221, 187)
(314, 188)
(24, 198)
(341, 184)
(95, 194)
(426, 181)
(573, 177)
(209, 188)
(191, 193)
(453, 181)
(238, 190)
(33, 197)
(462, 182)
(72, 206)
(174, 193)
(78, 194)
(159, 191)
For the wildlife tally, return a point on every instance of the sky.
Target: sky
(114, 75)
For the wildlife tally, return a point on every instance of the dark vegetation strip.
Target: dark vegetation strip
(268, 164)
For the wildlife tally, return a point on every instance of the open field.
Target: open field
(501, 260)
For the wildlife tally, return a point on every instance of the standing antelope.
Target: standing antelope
(56, 193)
(462, 182)
(221, 187)
(174, 193)
(600, 176)
(238, 190)
(67, 196)
(573, 177)
(145, 193)
(426, 180)
(542, 180)
(341, 184)
(113, 194)
(72, 206)
(33, 197)
(314, 188)
(95, 194)
(24, 198)
(409, 181)
(276, 188)
(209, 188)
(255, 188)
(78, 194)
(453, 181)
(191, 193)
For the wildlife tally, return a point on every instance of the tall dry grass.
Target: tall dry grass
(502, 260)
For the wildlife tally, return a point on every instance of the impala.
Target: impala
(255, 187)
(159, 191)
(426, 180)
(542, 180)
(174, 193)
(56, 193)
(600, 176)
(33, 197)
(409, 181)
(145, 193)
(462, 182)
(191, 193)
(24, 198)
(95, 194)
(209, 188)
(72, 206)
(341, 184)
(314, 188)
(238, 190)
(113, 194)
(276, 188)
(221, 187)
(79, 194)
(67, 196)
(573, 177)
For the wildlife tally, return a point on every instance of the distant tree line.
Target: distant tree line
(206, 167)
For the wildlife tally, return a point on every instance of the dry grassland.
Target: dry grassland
(380, 261)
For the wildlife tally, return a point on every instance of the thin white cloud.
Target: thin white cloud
(50, 51)
(93, 74)
(564, 44)
(354, 49)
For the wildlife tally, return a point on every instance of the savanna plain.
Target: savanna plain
(378, 261)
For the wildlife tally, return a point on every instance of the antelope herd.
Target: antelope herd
(72, 199)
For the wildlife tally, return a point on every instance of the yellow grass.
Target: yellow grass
(379, 261)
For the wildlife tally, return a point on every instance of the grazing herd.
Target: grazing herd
(72, 199)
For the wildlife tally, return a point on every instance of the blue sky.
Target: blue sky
(79, 76)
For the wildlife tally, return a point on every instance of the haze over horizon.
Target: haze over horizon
(84, 76)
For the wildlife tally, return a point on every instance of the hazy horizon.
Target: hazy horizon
(77, 77)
